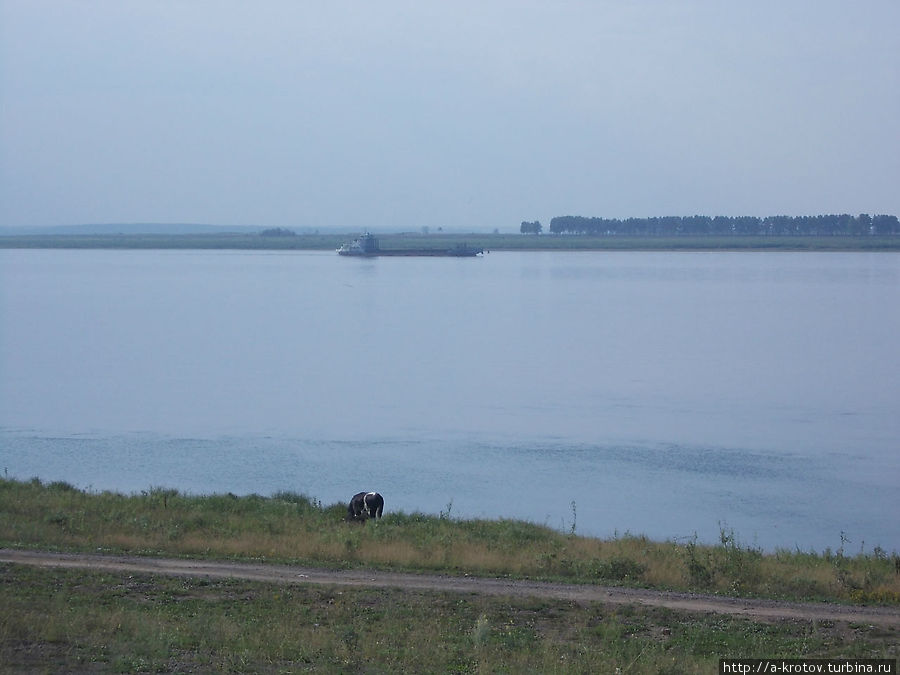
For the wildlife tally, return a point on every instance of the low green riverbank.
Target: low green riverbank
(288, 527)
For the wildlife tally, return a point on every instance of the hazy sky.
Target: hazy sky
(461, 114)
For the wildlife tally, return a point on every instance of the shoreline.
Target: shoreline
(488, 242)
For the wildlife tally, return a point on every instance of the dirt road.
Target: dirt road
(767, 610)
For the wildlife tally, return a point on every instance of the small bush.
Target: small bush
(58, 518)
(620, 569)
(61, 486)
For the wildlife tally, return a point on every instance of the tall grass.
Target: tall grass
(290, 527)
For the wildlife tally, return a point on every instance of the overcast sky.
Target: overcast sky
(474, 115)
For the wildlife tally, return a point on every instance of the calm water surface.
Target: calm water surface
(664, 394)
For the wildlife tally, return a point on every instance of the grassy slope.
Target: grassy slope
(291, 527)
(49, 618)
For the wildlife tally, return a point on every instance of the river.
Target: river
(668, 394)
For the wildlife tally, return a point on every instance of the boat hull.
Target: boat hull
(429, 252)
(367, 247)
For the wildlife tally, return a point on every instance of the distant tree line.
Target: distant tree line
(531, 228)
(278, 232)
(831, 225)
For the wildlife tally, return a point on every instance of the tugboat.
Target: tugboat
(367, 246)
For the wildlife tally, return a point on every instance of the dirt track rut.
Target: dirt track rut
(767, 610)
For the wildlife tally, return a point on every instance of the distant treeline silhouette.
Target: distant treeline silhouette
(278, 232)
(831, 225)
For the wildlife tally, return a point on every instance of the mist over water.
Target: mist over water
(664, 394)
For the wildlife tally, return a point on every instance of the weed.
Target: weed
(480, 631)
(738, 566)
(699, 574)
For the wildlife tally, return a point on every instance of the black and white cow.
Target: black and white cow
(365, 505)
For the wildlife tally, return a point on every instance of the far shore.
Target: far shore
(488, 242)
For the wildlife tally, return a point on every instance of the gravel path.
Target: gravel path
(284, 574)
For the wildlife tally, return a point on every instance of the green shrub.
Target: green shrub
(620, 569)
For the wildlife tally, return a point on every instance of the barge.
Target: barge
(367, 246)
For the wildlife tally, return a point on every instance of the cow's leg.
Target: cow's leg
(371, 503)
